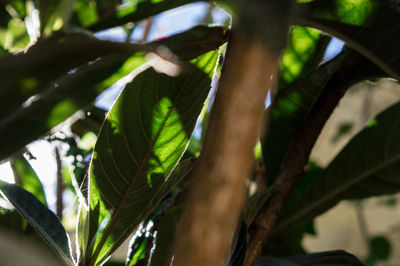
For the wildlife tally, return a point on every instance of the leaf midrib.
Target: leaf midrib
(114, 216)
(333, 193)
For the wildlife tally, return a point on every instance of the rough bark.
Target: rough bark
(217, 195)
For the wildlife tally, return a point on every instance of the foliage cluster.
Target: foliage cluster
(52, 68)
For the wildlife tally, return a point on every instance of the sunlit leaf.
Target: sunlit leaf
(42, 219)
(27, 178)
(145, 134)
(327, 258)
(369, 26)
(367, 166)
(86, 11)
(304, 51)
(14, 37)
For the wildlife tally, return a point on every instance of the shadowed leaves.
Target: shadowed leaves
(367, 166)
(67, 94)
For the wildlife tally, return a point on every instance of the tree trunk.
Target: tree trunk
(217, 195)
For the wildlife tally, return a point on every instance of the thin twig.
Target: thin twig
(60, 184)
(149, 23)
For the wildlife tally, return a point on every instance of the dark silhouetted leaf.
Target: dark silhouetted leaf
(293, 103)
(72, 92)
(369, 26)
(58, 103)
(42, 219)
(289, 110)
(26, 178)
(367, 166)
(379, 248)
(26, 74)
(145, 134)
(328, 258)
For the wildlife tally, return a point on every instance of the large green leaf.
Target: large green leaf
(368, 166)
(42, 219)
(369, 26)
(27, 178)
(328, 258)
(135, 11)
(145, 134)
(72, 92)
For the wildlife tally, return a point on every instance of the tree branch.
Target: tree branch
(354, 69)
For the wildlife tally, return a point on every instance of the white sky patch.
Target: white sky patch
(6, 173)
(46, 169)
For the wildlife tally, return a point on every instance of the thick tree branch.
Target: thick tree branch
(217, 195)
(354, 69)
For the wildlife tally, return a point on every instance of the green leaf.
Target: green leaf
(165, 235)
(46, 9)
(367, 166)
(27, 178)
(304, 51)
(58, 103)
(289, 110)
(293, 103)
(379, 248)
(74, 91)
(42, 219)
(60, 16)
(141, 244)
(145, 134)
(26, 74)
(328, 258)
(86, 12)
(14, 37)
(135, 11)
(368, 26)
